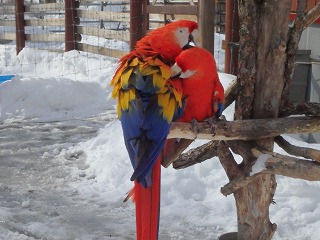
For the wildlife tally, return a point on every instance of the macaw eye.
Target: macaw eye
(182, 36)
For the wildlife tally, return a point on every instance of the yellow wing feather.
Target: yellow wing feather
(168, 97)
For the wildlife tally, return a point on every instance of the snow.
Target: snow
(260, 164)
(64, 170)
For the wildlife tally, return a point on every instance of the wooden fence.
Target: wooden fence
(66, 23)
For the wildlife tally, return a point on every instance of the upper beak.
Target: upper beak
(176, 71)
(191, 39)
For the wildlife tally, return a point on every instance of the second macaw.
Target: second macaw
(148, 102)
(202, 91)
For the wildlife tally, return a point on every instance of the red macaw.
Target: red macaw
(202, 91)
(200, 85)
(147, 104)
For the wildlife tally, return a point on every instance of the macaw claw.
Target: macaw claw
(195, 126)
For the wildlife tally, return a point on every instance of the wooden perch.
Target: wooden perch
(250, 129)
(196, 155)
(304, 108)
(228, 162)
(230, 93)
(280, 165)
(298, 151)
(312, 15)
(179, 148)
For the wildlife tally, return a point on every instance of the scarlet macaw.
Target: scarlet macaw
(201, 86)
(202, 91)
(147, 104)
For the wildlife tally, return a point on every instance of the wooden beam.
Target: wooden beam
(206, 15)
(114, 16)
(7, 9)
(45, 37)
(107, 2)
(20, 31)
(45, 22)
(7, 23)
(100, 50)
(176, 9)
(136, 22)
(122, 35)
(8, 36)
(36, 8)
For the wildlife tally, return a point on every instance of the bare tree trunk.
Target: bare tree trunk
(261, 76)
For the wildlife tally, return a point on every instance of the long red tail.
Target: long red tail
(148, 206)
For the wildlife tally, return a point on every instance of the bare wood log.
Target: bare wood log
(247, 129)
(230, 93)
(196, 155)
(228, 162)
(312, 15)
(298, 151)
(280, 165)
(244, 150)
(307, 108)
(294, 36)
(247, 59)
(179, 148)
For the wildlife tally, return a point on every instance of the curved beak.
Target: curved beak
(176, 71)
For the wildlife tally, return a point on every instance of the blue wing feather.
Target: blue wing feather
(144, 122)
(145, 132)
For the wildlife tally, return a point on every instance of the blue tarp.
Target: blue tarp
(4, 78)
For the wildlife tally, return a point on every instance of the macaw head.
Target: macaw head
(195, 62)
(169, 40)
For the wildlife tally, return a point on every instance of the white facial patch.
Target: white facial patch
(182, 36)
(187, 73)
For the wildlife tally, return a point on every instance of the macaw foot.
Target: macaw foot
(212, 121)
(195, 126)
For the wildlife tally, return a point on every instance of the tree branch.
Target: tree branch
(228, 162)
(250, 129)
(196, 155)
(280, 165)
(230, 93)
(312, 15)
(304, 108)
(298, 151)
(294, 36)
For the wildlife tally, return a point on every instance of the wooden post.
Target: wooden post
(136, 21)
(232, 37)
(20, 32)
(70, 15)
(206, 15)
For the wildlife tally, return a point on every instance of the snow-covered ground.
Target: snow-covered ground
(64, 170)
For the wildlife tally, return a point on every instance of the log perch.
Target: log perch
(304, 108)
(298, 151)
(280, 165)
(196, 155)
(250, 129)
